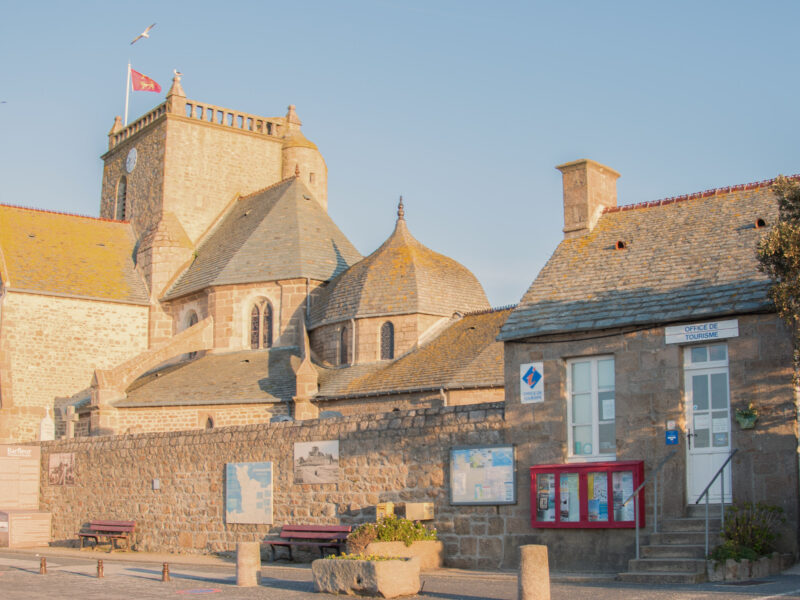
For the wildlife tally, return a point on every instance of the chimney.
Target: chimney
(589, 187)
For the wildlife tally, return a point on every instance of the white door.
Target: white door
(708, 420)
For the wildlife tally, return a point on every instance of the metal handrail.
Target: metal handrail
(653, 474)
(722, 490)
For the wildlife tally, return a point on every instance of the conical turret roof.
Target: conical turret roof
(401, 277)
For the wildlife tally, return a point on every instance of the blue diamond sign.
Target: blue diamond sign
(531, 385)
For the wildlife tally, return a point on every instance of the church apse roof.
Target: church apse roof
(465, 355)
(280, 232)
(245, 377)
(692, 257)
(70, 255)
(401, 277)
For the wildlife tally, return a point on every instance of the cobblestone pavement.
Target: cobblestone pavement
(125, 578)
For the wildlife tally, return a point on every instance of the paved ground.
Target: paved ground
(138, 575)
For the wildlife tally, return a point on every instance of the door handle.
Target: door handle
(689, 436)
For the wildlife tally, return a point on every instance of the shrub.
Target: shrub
(750, 531)
(389, 529)
(372, 557)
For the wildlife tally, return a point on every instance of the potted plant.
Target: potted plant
(747, 417)
(397, 537)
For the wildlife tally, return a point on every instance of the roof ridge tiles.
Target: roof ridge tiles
(486, 311)
(59, 212)
(704, 194)
(269, 187)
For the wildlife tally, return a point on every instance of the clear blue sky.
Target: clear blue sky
(462, 107)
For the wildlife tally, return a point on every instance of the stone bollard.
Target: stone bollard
(534, 573)
(248, 564)
(165, 572)
(43, 566)
(99, 569)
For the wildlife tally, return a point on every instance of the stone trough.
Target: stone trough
(379, 578)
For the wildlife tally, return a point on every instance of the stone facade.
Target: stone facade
(88, 334)
(408, 331)
(650, 391)
(395, 457)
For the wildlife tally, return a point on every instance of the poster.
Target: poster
(482, 475)
(248, 492)
(316, 462)
(61, 469)
(569, 501)
(598, 496)
(546, 497)
(623, 488)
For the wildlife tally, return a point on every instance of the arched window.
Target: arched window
(387, 341)
(209, 423)
(122, 196)
(192, 320)
(261, 325)
(344, 345)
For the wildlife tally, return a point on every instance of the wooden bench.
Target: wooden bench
(110, 530)
(332, 537)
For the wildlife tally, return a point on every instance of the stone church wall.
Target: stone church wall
(394, 457)
(87, 335)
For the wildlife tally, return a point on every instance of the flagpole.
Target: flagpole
(127, 92)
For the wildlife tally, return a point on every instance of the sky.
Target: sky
(463, 107)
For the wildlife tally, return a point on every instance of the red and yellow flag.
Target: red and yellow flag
(142, 83)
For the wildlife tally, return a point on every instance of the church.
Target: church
(215, 290)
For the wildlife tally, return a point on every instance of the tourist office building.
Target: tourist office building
(230, 330)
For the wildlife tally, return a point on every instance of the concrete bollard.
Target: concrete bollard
(165, 572)
(43, 566)
(534, 573)
(248, 564)
(99, 569)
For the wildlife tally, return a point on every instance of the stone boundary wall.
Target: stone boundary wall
(397, 457)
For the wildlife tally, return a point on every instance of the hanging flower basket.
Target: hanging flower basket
(747, 417)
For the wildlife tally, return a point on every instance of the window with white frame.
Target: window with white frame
(590, 408)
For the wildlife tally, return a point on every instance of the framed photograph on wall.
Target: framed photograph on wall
(316, 462)
(482, 475)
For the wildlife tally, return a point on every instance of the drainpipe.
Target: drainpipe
(308, 299)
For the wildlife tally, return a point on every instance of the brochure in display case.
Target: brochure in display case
(583, 494)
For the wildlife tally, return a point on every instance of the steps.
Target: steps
(676, 554)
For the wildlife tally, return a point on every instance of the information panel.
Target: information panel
(482, 475)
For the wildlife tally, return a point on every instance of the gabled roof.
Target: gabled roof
(280, 232)
(245, 377)
(465, 355)
(687, 258)
(58, 253)
(400, 277)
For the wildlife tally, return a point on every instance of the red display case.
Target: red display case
(586, 495)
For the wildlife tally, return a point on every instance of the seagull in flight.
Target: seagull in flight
(144, 34)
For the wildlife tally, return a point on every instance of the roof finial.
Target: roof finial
(400, 212)
(296, 170)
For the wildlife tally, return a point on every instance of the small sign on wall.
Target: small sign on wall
(701, 332)
(531, 384)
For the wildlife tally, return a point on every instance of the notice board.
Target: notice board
(482, 475)
(19, 476)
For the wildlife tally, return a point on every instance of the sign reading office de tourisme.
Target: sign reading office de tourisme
(702, 332)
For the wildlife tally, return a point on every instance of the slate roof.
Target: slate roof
(280, 232)
(246, 377)
(400, 277)
(58, 253)
(688, 258)
(465, 355)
